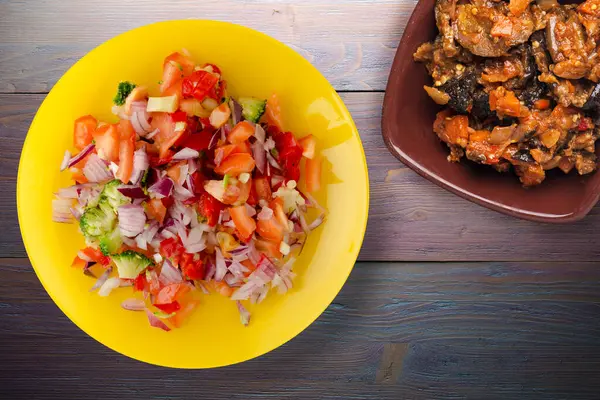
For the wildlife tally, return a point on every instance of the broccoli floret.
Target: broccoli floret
(97, 221)
(123, 90)
(252, 108)
(130, 264)
(111, 242)
(111, 196)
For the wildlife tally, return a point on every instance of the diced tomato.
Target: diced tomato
(171, 293)
(153, 283)
(174, 171)
(180, 60)
(83, 131)
(167, 201)
(198, 182)
(241, 132)
(156, 209)
(244, 224)
(78, 263)
(168, 308)
(107, 142)
(222, 152)
(199, 141)
(174, 90)
(200, 84)
(220, 115)
(220, 287)
(290, 154)
(252, 196)
(77, 175)
(273, 112)
(243, 147)
(270, 229)
(181, 315)
(160, 161)
(209, 208)
(193, 270)
(178, 116)
(96, 255)
(270, 248)
(171, 247)
(172, 76)
(263, 188)
(139, 283)
(167, 136)
(248, 264)
(215, 69)
(126, 149)
(313, 174)
(236, 164)
(244, 193)
(308, 144)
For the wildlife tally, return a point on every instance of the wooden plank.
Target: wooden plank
(410, 219)
(476, 330)
(352, 42)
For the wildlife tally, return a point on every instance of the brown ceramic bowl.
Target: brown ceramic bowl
(408, 115)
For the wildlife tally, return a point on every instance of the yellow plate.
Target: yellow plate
(253, 65)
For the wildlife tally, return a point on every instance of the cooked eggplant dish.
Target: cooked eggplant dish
(520, 82)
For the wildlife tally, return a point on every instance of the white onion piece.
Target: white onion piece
(70, 192)
(140, 165)
(276, 180)
(65, 162)
(221, 266)
(95, 169)
(102, 279)
(108, 286)
(137, 127)
(269, 144)
(182, 194)
(185, 154)
(196, 240)
(152, 134)
(317, 222)
(232, 280)
(273, 162)
(128, 241)
(131, 219)
(250, 210)
(265, 214)
(61, 210)
(133, 304)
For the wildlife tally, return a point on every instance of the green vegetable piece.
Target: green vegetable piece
(112, 197)
(97, 221)
(111, 242)
(225, 180)
(252, 108)
(123, 90)
(130, 263)
(163, 315)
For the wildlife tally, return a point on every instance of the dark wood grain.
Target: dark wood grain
(410, 219)
(397, 330)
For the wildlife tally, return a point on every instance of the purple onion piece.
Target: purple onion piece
(81, 155)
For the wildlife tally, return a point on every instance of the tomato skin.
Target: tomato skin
(269, 248)
(193, 270)
(244, 224)
(200, 84)
(83, 131)
(241, 132)
(77, 175)
(126, 149)
(167, 137)
(198, 182)
(290, 154)
(210, 208)
(236, 164)
(273, 112)
(171, 247)
(156, 209)
(139, 283)
(107, 142)
(96, 256)
(181, 315)
(178, 116)
(270, 229)
(187, 64)
(198, 141)
(78, 263)
(171, 293)
(263, 188)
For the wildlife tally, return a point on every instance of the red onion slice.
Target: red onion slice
(137, 127)
(213, 141)
(156, 322)
(132, 191)
(162, 188)
(95, 170)
(102, 279)
(81, 155)
(259, 156)
(65, 162)
(244, 314)
(186, 154)
(133, 304)
(236, 111)
(259, 133)
(131, 219)
(273, 162)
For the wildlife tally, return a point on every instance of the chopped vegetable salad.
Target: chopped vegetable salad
(192, 192)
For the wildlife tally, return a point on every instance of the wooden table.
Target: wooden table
(448, 299)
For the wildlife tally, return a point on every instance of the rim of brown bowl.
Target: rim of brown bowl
(582, 191)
